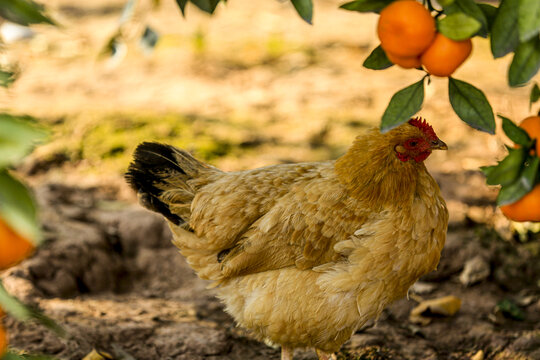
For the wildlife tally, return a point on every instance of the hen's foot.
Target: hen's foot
(287, 353)
(325, 356)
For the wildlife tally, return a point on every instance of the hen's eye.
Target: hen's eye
(412, 143)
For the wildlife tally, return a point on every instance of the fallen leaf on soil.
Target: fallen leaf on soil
(445, 306)
(422, 288)
(475, 270)
(510, 310)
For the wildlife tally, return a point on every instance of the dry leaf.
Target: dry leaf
(445, 306)
(475, 270)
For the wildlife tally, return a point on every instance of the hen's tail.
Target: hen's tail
(166, 179)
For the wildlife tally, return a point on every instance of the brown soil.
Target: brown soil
(108, 272)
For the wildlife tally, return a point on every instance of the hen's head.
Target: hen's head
(415, 140)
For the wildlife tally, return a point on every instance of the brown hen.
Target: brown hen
(304, 254)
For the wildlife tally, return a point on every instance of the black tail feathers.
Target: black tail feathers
(152, 166)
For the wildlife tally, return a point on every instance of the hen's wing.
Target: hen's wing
(274, 217)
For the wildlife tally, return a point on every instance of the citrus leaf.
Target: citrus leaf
(149, 39)
(403, 105)
(18, 310)
(458, 26)
(471, 105)
(535, 95)
(182, 5)
(366, 5)
(304, 8)
(18, 136)
(6, 78)
(208, 6)
(525, 64)
(515, 133)
(23, 12)
(471, 9)
(530, 171)
(377, 60)
(504, 32)
(528, 19)
(511, 193)
(509, 169)
(490, 12)
(488, 170)
(17, 207)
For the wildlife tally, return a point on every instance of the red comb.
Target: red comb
(423, 125)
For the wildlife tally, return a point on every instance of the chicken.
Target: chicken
(304, 254)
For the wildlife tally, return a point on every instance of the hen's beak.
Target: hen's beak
(438, 145)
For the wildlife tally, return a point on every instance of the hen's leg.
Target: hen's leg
(325, 356)
(287, 353)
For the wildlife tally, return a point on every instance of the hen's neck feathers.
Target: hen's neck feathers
(373, 174)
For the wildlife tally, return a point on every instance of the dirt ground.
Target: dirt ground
(266, 88)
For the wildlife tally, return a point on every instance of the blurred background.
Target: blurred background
(253, 85)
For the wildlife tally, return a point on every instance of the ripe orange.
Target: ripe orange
(532, 127)
(525, 209)
(405, 28)
(13, 247)
(412, 62)
(3, 341)
(445, 55)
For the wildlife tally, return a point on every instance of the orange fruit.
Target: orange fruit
(412, 62)
(13, 247)
(525, 209)
(3, 341)
(532, 127)
(445, 55)
(405, 28)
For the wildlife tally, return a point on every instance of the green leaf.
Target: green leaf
(530, 171)
(18, 136)
(488, 170)
(471, 105)
(471, 9)
(515, 133)
(511, 310)
(366, 5)
(458, 26)
(23, 12)
(525, 64)
(304, 8)
(208, 6)
(18, 310)
(504, 32)
(509, 169)
(528, 19)
(149, 39)
(182, 5)
(6, 78)
(511, 193)
(17, 207)
(490, 12)
(403, 105)
(535, 95)
(11, 355)
(377, 60)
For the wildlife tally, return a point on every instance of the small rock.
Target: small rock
(478, 356)
(475, 270)
(422, 288)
